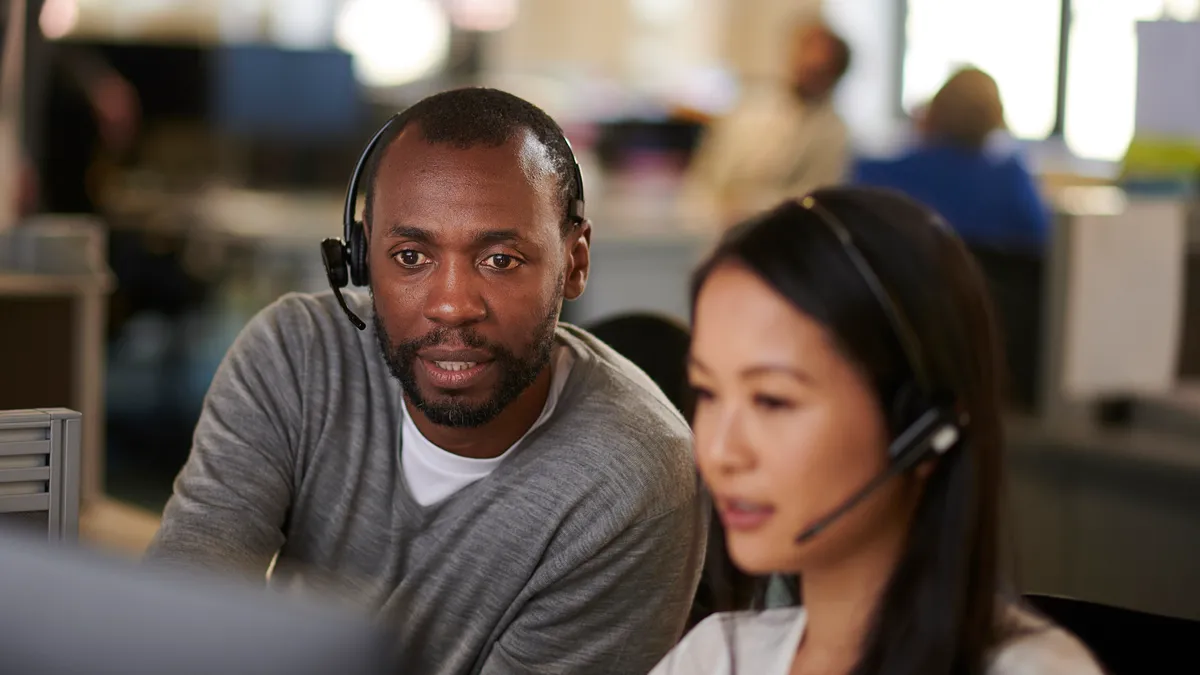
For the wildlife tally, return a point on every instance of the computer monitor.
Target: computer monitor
(66, 610)
(294, 96)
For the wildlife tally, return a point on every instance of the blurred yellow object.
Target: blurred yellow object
(1161, 157)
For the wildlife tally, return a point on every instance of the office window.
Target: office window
(1015, 41)
(1102, 72)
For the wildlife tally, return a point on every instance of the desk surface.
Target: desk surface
(43, 285)
(1133, 448)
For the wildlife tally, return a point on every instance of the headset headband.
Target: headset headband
(899, 323)
(576, 211)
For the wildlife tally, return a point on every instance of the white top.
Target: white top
(433, 474)
(773, 146)
(766, 644)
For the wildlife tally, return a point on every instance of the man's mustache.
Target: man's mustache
(451, 336)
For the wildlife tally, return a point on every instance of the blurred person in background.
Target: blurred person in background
(847, 424)
(783, 141)
(987, 195)
(78, 112)
(507, 492)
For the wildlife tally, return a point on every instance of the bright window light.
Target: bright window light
(1102, 75)
(661, 12)
(1183, 10)
(393, 41)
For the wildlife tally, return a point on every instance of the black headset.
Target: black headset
(346, 258)
(925, 423)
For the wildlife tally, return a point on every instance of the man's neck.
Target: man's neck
(810, 100)
(493, 438)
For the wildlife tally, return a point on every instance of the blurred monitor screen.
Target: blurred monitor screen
(268, 93)
(65, 610)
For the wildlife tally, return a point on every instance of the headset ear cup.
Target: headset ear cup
(359, 275)
(907, 406)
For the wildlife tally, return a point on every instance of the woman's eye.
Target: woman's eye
(410, 258)
(772, 403)
(501, 261)
(702, 394)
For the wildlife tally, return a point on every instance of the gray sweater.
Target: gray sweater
(578, 554)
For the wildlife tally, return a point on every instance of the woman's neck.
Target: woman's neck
(840, 601)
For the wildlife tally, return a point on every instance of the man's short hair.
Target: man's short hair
(839, 50)
(475, 116)
(841, 56)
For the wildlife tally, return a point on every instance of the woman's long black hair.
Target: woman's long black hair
(938, 614)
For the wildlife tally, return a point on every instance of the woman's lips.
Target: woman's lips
(742, 514)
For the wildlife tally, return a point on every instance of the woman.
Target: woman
(847, 425)
(988, 196)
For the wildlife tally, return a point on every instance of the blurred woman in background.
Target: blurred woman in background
(987, 196)
(847, 424)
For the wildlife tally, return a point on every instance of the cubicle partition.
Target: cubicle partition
(54, 287)
(1102, 513)
(39, 471)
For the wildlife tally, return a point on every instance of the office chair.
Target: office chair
(1126, 641)
(656, 344)
(1015, 280)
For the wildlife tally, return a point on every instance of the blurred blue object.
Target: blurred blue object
(264, 92)
(65, 610)
(989, 198)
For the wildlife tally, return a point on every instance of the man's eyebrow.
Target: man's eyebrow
(498, 236)
(409, 232)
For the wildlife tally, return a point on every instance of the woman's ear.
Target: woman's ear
(925, 469)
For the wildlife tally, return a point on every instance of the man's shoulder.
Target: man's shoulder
(618, 427)
(617, 397)
(299, 318)
(304, 337)
(321, 306)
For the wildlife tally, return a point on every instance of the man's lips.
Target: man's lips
(454, 359)
(450, 368)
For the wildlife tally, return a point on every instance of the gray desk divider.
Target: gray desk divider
(40, 471)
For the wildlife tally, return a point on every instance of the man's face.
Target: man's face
(469, 268)
(812, 63)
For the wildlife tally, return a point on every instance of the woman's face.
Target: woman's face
(786, 429)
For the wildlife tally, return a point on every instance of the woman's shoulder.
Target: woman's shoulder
(1037, 646)
(755, 637)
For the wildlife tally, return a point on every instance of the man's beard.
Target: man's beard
(516, 373)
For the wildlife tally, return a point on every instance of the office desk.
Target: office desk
(1111, 516)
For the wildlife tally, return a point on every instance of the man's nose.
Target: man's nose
(456, 297)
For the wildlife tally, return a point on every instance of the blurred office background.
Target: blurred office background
(202, 148)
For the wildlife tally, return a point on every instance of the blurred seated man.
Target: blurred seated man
(508, 492)
(783, 141)
(987, 196)
(76, 109)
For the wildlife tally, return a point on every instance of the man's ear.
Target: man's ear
(579, 260)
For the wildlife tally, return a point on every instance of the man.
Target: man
(781, 142)
(512, 494)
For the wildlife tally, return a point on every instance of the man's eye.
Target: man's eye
(410, 258)
(501, 261)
